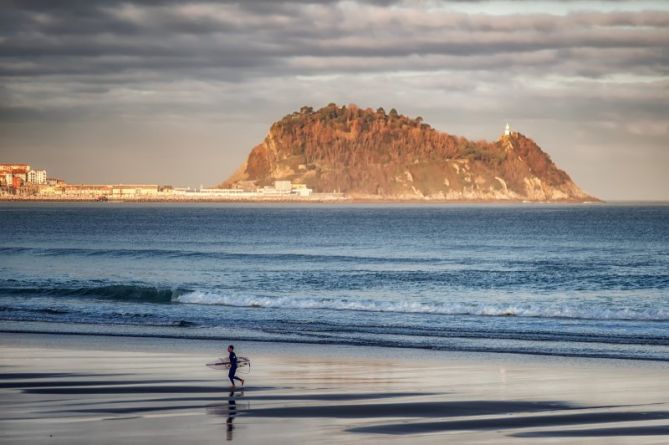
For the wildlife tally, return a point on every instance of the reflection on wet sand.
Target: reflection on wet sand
(229, 410)
(232, 412)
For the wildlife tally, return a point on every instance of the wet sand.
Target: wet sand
(60, 389)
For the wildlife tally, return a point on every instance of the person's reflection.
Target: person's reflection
(232, 413)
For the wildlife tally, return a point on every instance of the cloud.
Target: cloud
(133, 36)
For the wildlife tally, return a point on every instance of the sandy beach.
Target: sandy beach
(78, 389)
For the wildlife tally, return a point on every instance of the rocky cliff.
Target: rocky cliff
(372, 154)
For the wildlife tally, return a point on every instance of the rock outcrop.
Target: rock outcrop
(369, 154)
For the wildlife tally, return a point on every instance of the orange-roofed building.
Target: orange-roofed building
(20, 169)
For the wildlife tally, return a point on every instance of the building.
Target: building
(13, 175)
(119, 191)
(14, 168)
(134, 190)
(507, 130)
(85, 190)
(17, 181)
(6, 179)
(279, 188)
(232, 194)
(37, 176)
(283, 186)
(19, 175)
(301, 190)
(55, 181)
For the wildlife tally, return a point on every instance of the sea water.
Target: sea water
(572, 280)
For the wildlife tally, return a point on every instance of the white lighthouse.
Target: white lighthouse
(507, 130)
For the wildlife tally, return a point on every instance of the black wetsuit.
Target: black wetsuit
(233, 368)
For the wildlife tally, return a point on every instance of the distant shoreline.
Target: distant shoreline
(308, 200)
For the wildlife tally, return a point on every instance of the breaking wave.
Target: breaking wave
(577, 309)
(136, 293)
(414, 307)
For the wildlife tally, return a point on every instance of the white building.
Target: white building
(37, 176)
(225, 193)
(303, 192)
(507, 130)
(283, 186)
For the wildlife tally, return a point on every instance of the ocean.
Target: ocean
(567, 280)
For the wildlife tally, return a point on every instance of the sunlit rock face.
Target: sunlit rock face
(372, 154)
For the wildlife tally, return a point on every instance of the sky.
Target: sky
(179, 92)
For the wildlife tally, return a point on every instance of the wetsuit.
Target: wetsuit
(233, 368)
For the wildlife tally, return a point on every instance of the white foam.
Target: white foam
(526, 309)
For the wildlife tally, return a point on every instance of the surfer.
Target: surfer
(233, 366)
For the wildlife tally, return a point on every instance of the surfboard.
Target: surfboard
(224, 363)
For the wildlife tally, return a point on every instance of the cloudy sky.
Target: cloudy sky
(179, 92)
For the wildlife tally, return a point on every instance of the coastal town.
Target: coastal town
(20, 182)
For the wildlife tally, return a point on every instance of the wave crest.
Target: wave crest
(415, 307)
(127, 292)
